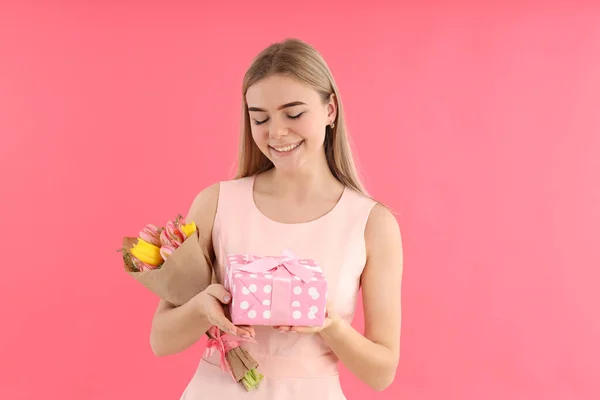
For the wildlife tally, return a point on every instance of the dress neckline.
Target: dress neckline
(342, 197)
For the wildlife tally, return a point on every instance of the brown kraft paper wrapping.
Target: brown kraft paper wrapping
(185, 273)
(240, 361)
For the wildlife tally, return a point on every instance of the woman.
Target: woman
(296, 188)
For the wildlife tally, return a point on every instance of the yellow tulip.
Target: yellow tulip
(147, 252)
(188, 229)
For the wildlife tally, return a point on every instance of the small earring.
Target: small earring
(332, 125)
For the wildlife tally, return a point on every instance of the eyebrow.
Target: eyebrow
(292, 104)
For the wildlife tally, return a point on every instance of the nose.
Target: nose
(277, 130)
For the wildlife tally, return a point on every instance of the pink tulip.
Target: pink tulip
(142, 266)
(166, 250)
(151, 234)
(172, 235)
(179, 222)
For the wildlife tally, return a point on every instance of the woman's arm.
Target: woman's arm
(174, 329)
(373, 358)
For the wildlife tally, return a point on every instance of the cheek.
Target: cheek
(260, 136)
(313, 133)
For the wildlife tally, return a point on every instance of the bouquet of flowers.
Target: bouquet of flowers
(171, 263)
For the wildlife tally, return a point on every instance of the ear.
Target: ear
(331, 109)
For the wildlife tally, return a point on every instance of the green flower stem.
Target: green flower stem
(252, 379)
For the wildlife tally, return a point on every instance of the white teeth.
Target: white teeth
(287, 148)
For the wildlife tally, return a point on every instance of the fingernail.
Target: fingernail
(227, 298)
(232, 332)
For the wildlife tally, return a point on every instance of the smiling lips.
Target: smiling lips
(285, 149)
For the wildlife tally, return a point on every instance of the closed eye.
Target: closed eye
(289, 116)
(260, 122)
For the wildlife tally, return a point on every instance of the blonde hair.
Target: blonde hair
(298, 60)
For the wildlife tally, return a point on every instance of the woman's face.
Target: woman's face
(288, 121)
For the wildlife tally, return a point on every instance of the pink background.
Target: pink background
(479, 124)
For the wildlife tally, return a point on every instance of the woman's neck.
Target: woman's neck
(302, 183)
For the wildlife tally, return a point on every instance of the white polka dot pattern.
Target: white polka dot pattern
(253, 295)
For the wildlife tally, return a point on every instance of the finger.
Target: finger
(225, 325)
(284, 328)
(219, 293)
(303, 329)
(244, 331)
(247, 328)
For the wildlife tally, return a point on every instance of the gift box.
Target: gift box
(276, 290)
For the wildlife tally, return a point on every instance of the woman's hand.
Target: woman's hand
(331, 319)
(210, 304)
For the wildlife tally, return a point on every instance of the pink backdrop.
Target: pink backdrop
(480, 125)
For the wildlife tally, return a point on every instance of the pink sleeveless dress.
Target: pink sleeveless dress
(295, 365)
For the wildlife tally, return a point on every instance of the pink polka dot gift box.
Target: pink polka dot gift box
(276, 290)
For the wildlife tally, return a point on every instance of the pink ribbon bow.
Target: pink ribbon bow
(223, 342)
(288, 260)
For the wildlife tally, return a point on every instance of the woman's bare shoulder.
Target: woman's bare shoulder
(204, 204)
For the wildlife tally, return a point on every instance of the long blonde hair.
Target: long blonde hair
(298, 60)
